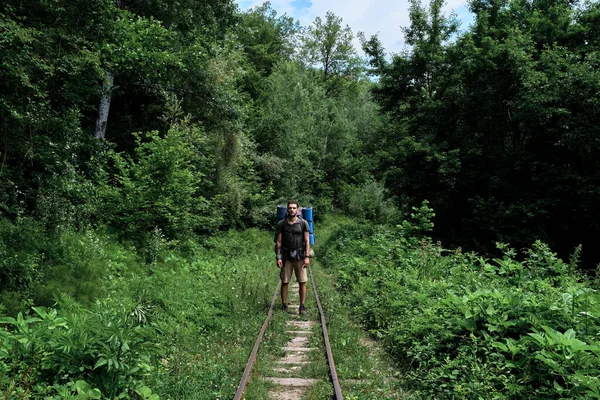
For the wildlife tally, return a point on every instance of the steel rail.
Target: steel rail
(252, 359)
(246, 374)
(334, 378)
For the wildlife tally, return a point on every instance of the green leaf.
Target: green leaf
(100, 363)
(551, 363)
(59, 322)
(570, 334)
(8, 320)
(144, 391)
(41, 312)
(82, 387)
(500, 346)
(469, 324)
(539, 338)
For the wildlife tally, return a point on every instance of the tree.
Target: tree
(268, 39)
(488, 127)
(328, 46)
(47, 52)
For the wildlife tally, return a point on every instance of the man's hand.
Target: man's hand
(279, 263)
(306, 262)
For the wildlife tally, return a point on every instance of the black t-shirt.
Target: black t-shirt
(292, 235)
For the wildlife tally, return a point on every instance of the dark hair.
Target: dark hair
(293, 202)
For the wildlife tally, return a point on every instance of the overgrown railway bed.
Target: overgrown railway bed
(329, 356)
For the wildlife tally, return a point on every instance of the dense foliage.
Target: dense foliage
(464, 326)
(497, 125)
(146, 336)
(132, 133)
(169, 124)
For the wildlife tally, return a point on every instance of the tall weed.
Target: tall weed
(105, 346)
(181, 329)
(466, 327)
(37, 264)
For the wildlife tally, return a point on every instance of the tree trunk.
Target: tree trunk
(104, 106)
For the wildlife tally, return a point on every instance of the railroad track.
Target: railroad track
(301, 329)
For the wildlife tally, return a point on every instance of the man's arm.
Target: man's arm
(278, 250)
(307, 242)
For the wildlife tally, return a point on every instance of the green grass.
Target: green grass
(237, 274)
(459, 325)
(202, 311)
(354, 358)
(205, 310)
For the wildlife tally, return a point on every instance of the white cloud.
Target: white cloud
(382, 17)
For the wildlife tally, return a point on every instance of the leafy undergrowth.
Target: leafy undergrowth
(179, 331)
(365, 372)
(457, 325)
(461, 326)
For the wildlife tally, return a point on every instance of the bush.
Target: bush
(466, 327)
(22, 247)
(163, 188)
(37, 264)
(107, 346)
(370, 201)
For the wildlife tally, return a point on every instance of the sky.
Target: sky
(382, 17)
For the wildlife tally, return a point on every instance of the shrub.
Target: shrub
(22, 245)
(37, 264)
(463, 326)
(163, 187)
(370, 201)
(107, 346)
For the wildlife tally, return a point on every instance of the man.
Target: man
(292, 250)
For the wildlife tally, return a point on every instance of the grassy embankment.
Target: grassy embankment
(180, 327)
(462, 326)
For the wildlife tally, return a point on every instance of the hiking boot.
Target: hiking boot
(284, 306)
(302, 310)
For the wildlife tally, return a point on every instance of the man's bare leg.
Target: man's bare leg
(302, 292)
(284, 292)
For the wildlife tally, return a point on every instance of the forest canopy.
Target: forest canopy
(184, 119)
